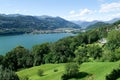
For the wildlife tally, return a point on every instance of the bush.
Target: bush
(65, 77)
(40, 72)
(115, 74)
(71, 70)
(55, 70)
(24, 78)
(6, 74)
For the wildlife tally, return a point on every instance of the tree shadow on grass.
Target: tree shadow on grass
(81, 75)
(78, 76)
(42, 75)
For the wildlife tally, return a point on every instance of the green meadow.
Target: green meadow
(93, 71)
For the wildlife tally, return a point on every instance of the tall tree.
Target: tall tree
(39, 51)
(113, 39)
(16, 58)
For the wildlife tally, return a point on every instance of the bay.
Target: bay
(7, 43)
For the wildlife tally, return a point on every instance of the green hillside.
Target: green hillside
(95, 71)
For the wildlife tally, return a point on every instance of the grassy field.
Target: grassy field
(93, 71)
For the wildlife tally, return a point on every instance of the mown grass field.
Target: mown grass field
(94, 71)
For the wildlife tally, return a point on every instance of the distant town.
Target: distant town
(59, 30)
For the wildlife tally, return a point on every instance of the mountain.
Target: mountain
(24, 23)
(97, 25)
(85, 24)
(104, 23)
(113, 20)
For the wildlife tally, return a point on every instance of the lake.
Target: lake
(7, 43)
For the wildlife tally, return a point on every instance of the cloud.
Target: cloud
(115, 6)
(115, 15)
(105, 12)
(85, 11)
(82, 12)
(79, 15)
(72, 12)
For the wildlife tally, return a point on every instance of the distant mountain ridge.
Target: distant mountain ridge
(86, 24)
(38, 22)
(97, 25)
(17, 23)
(113, 20)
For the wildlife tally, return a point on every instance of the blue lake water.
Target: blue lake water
(7, 43)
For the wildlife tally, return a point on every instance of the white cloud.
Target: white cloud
(85, 11)
(105, 13)
(72, 12)
(79, 15)
(82, 12)
(115, 15)
(115, 6)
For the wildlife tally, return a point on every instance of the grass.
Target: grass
(95, 71)
(48, 69)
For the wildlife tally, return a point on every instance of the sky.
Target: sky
(85, 10)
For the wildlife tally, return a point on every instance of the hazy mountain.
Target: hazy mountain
(11, 15)
(85, 24)
(98, 24)
(113, 20)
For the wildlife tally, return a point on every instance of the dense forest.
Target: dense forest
(99, 44)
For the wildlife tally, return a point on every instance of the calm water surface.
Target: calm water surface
(7, 43)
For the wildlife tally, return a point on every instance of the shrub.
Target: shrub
(40, 72)
(71, 70)
(64, 77)
(6, 74)
(55, 70)
(24, 78)
(115, 74)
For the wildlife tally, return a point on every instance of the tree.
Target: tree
(114, 75)
(48, 58)
(117, 53)
(1, 59)
(71, 71)
(94, 51)
(40, 72)
(81, 55)
(92, 36)
(24, 78)
(16, 58)
(113, 40)
(6, 74)
(114, 56)
(39, 51)
(62, 51)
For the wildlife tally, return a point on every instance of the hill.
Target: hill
(97, 25)
(85, 24)
(18, 24)
(88, 24)
(95, 71)
(113, 20)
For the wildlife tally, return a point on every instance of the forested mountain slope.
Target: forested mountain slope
(17, 24)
